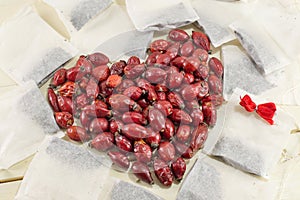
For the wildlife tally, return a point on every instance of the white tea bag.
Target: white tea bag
(132, 192)
(215, 17)
(240, 71)
(264, 51)
(76, 13)
(248, 142)
(25, 119)
(160, 15)
(281, 19)
(126, 44)
(113, 21)
(210, 179)
(30, 49)
(62, 170)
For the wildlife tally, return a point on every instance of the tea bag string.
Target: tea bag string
(265, 110)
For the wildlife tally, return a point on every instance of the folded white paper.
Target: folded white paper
(113, 21)
(25, 119)
(62, 170)
(240, 71)
(248, 142)
(210, 179)
(215, 17)
(30, 49)
(160, 15)
(131, 43)
(76, 13)
(267, 55)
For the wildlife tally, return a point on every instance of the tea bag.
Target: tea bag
(267, 55)
(62, 170)
(215, 17)
(240, 71)
(36, 53)
(160, 15)
(281, 19)
(210, 179)
(76, 13)
(126, 44)
(248, 142)
(131, 191)
(26, 117)
(114, 18)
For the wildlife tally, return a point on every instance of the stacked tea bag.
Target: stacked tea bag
(246, 141)
(211, 179)
(216, 16)
(30, 49)
(76, 13)
(132, 192)
(240, 71)
(131, 43)
(160, 15)
(62, 170)
(114, 18)
(25, 118)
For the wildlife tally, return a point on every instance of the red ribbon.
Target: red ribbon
(266, 110)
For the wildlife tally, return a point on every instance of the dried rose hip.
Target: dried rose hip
(201, 40)
(98, 125)
(187, 49)
(178, 35)
(123, 143)
(101, 73)
(169, 130)
(119, 159)
(165, 107)
(103, 141)
(52, 99)
(118, 68)
(134, 131)
(180, 116)
(156, 119)
(133, 71)
(176, 100)
(123, 103)
(178, 168)
(163, 172)
(155, 75)
(159, 45)
(65, 104)
(166, 151)
(210, 113)
(153, 138)
(113, 81)
(64, 119)
(59, 77)
(199, 135)
(133, 92)
(77, 133)
(115, 126)
(98, 59)
(133, 60)
(134, 117)
(183, 133)
(142, 151)
(142, 171)
(67, 89)
(201, 54)
(164, 59)
(215, 85)
(216, 66)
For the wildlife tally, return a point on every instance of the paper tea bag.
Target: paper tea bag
(260, 46)
(62, 170)
(246, 141)
(215, 17)
(114, 18)
(30, 49)
(126, 44)
(76, 13)
(25, 119)
(210, 179)
(160, 15)
(281, 19)
(240, 71)
(131, 191)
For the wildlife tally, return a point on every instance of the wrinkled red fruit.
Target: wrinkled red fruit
(98, 59)
(159, 45)
(142, 172)
(98, 125)
(64, 119)
(52, 99)
(134, 117)
(123, 143)
(199, 136)
(178, 168)
(215, 85)
(169, 130)
(67, 89)
(103, 141)
(142, 151)
(183, 133)
(156, 119)
(119, 159)
(134, 131)
(166, 151)
(65, 104)
(201, 40)
(180, 116)
(59, 77)
(101, 73)
(113, 81)
(178, 35)
(153, 138)
(216, 66)
(210, 113)
(77, 133)
(163, 172)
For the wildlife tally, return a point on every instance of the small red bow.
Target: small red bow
(266, 110)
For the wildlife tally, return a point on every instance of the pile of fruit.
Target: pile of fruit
(147, 116)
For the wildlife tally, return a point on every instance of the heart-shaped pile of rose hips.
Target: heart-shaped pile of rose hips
(153, 115)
